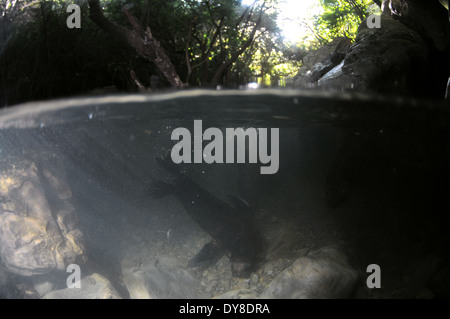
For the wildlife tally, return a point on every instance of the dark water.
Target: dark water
(367, 173)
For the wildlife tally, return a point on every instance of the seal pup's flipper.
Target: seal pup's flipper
(208, 255)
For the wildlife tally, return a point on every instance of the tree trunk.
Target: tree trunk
(237, 54)
(142, 41)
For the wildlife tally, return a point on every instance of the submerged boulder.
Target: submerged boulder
(94, 286)
(38, 229)
(164, 277)
(322, 274)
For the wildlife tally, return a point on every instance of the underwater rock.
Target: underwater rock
(42, 286)
(164, 277)
(238, 294)
(94, 286)
(38, 230)
(323, 274)
(4, 280)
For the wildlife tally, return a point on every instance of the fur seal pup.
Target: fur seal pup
(230, 226)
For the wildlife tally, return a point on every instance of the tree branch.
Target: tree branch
(242, 49)
(142, 41)
(357, 9)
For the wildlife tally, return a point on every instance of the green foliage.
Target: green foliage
(45, 59)
(217, 31)
(340, 18)
(209, 42)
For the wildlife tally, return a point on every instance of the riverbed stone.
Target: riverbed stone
(322, 274)
(94, 286)
(38, 229)
(164, 277)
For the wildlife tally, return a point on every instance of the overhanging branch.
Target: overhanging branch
(142, 41)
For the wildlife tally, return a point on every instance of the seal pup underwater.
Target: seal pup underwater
(230, 226)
